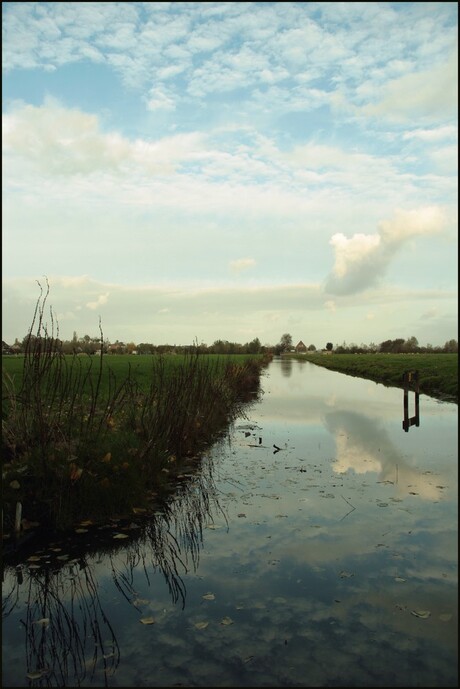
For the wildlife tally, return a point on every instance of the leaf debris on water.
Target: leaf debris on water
(209, 596)
(147, 620)
(423, 614)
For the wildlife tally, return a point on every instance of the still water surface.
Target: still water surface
(316, 546)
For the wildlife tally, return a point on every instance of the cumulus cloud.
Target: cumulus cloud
(67, 141)
(362, 260)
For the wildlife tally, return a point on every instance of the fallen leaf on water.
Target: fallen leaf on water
(399, 579)
(34, 558)
(37, 674)
(106, 458)
(226, 620)
(201, 625)
(241, 514)
(209, 596)
(44, 621)
(15, 485)
(423, 614)
(345, 575)
(81, 530)
(121, 535)
(147, 620)
(87, 522)
(139, 510)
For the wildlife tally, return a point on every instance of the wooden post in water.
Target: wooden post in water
(408, 378)
(17, 521)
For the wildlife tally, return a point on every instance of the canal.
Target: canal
(315, 546)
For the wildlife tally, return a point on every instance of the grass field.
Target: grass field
(438, 373)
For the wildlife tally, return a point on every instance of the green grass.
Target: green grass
(438, 373)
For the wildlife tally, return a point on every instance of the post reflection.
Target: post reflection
(364, 445)
(411, 379)
(68, 635)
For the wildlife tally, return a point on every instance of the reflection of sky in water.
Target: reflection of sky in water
(319, 554)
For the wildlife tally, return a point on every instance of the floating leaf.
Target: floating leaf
(62, 557)
(226, 620)
(399, 579)
(44, 622)
(34, 558)
(242, 514)
(106, 458)
(147, 620)
(201, 625)
(15, 485)
(139, 510)
(121, 535)
(209, 596)
(87, 522)
(345, 575)
(81, 530)
(37, 674)
(423, 614)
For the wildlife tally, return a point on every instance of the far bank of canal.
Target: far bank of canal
(316, 545)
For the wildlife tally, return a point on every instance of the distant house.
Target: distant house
(6, 349)
(300, 347)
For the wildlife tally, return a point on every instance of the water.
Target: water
(316, 546)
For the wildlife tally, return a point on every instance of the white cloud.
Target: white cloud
(100, 301)
(362, 260)
(427, 94)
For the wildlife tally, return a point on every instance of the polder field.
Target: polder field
(90, 436)
(116, 368)
(438, 373)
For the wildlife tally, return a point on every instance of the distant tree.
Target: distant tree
(286, 342)
(311, 348)
(130, 347)
(411, 345)
(253, 347)
(451, 346)
(329, 346)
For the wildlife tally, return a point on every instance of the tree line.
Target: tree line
(91, 345)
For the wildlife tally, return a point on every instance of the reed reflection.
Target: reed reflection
(68, 634)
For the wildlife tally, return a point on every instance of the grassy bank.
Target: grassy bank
(89, 437)
(438, 373)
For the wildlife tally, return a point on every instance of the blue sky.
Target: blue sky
(200, 171)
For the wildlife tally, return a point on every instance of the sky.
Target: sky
(198, 171)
